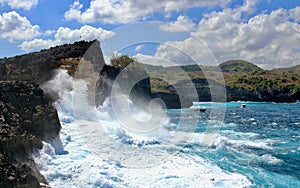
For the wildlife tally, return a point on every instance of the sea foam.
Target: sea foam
(100, 152)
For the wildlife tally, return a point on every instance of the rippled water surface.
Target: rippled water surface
(256, 146)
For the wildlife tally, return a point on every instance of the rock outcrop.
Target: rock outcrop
(23, 104)
(222, 94)
(134, 79)
(26, 118)
(37, 67)
(262, 95)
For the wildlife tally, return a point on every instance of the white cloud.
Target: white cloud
(15, 27)
(268, 40)
(126, 11)
(86, 32)
(49, 32)
(249, 6)
(36, 44)
(182, 23)
(67, 35)
(295, 14)
(171, 53)
(139, 47)
(153, 60)
(265, 39)
(20, 4)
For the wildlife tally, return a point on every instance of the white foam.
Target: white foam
(82, 167)
(236, 134)
(104, 153)
(240, 144)
(270, 159)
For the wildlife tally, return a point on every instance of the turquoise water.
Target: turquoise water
(258, 146)
(227, 146)
(261, 142)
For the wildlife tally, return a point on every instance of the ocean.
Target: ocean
(256, 146)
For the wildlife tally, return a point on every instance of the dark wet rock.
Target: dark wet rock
(213, 91)
(23, 104)
(133, 81)
(296, 95)
(261, 95)
(171, 100)
(26, 119)
(12, 176)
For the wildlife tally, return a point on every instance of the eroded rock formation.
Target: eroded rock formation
(26, 118)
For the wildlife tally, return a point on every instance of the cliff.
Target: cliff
(244, 82)
(26, 118)
(38, 67)
(133, 81)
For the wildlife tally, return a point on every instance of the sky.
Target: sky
(160, 32)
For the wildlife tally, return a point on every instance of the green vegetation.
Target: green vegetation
(240, 66)
(292, 70)
(121, 61)
(237, 74)
(158, 85)
(253, 82)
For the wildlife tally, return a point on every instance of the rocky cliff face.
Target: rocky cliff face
(26, 118)
(23, 104)
(204, 93)
(37, 67)
(128, 80)
(189, 91)
(262, 95)
(26, 115)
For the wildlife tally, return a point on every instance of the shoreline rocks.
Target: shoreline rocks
(27, 116)
(26, 119)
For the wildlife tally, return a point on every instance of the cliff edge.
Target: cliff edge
(26, 119)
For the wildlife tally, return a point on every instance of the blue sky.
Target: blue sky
(264, 32)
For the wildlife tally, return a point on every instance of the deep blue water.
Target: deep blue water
(261, 141)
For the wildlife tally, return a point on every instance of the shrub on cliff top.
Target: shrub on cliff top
(121, 61)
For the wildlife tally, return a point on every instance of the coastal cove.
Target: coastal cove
(150, 94)
(68, 119)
